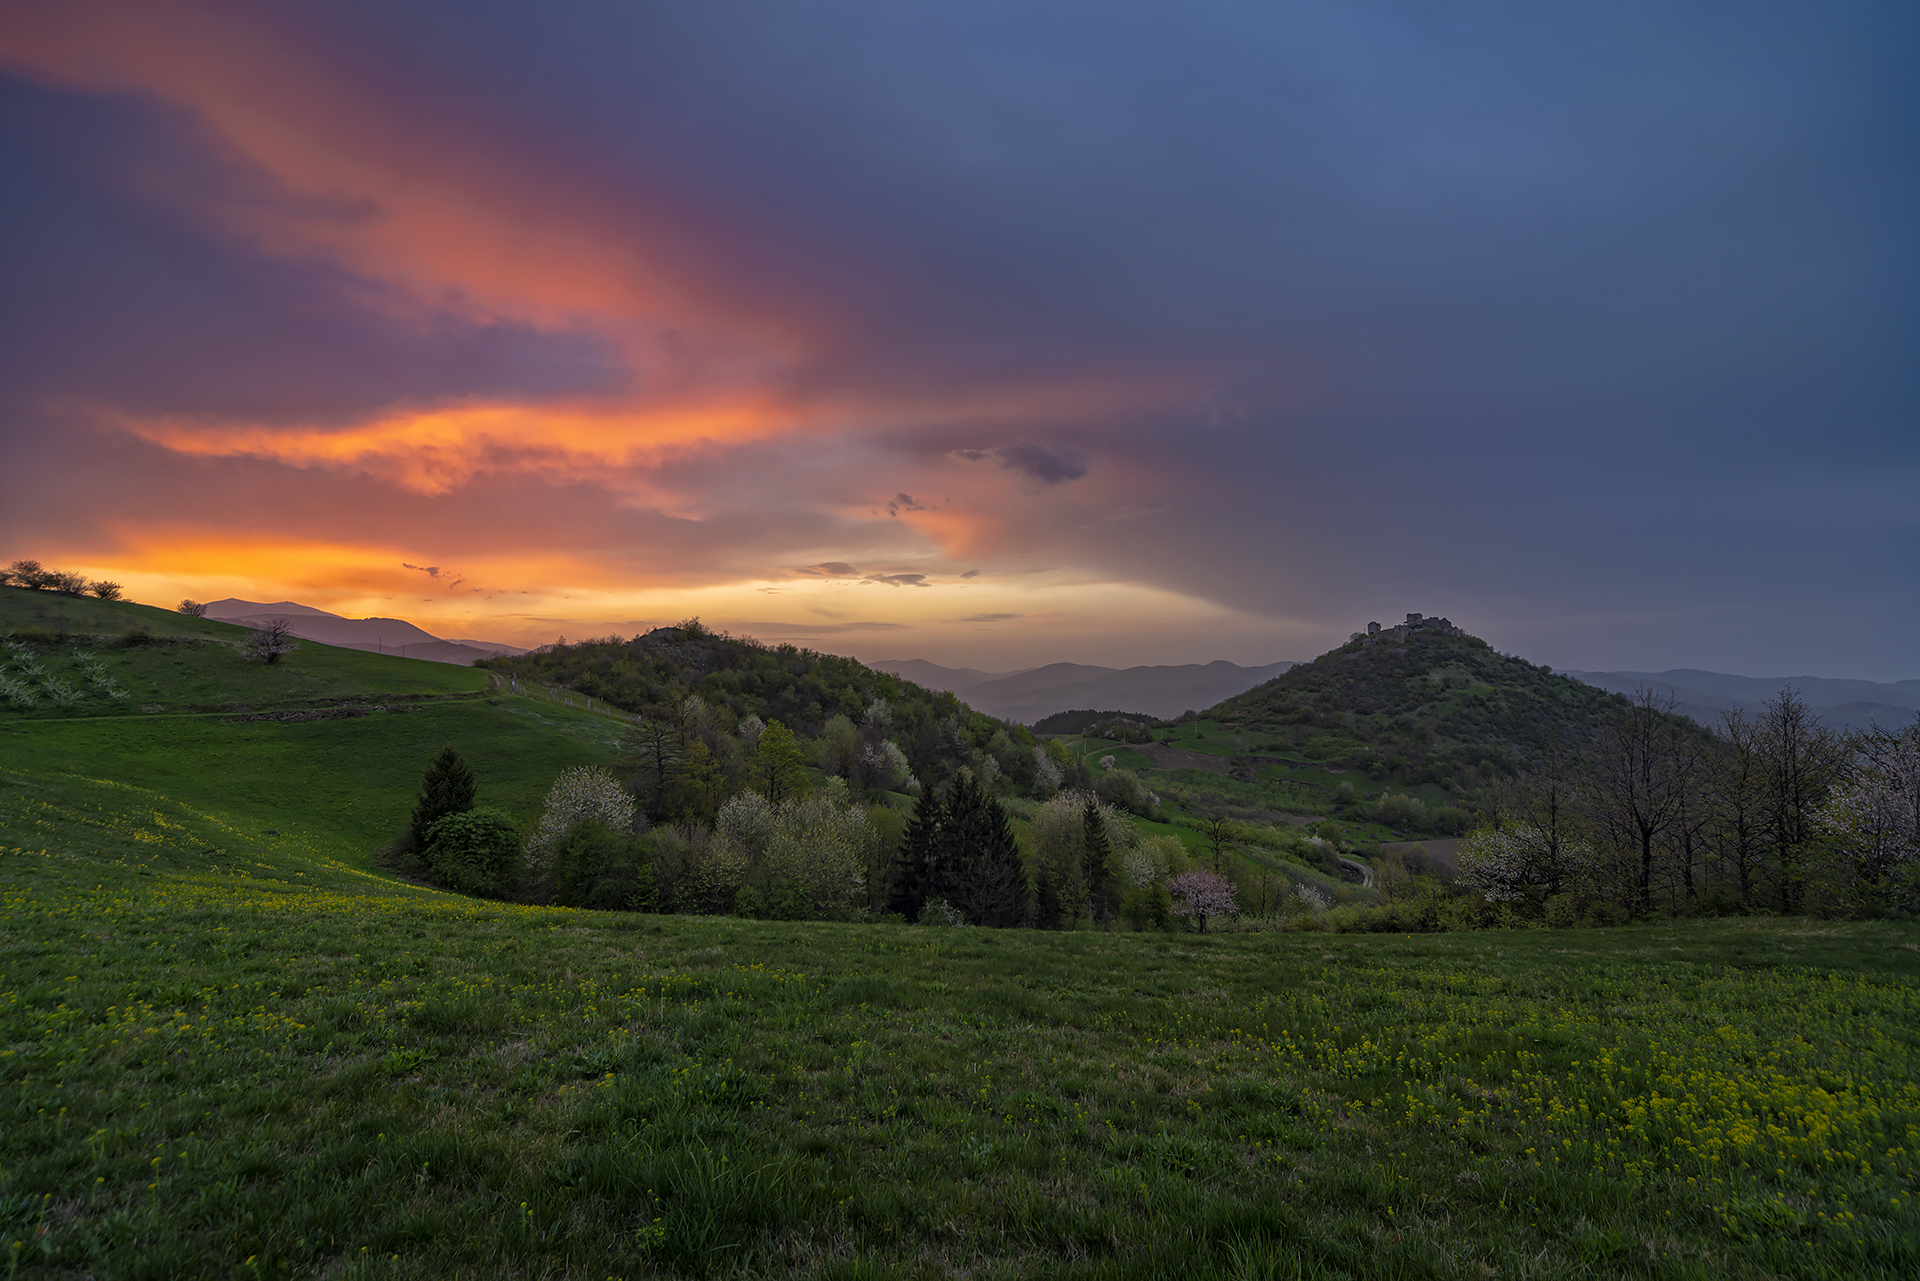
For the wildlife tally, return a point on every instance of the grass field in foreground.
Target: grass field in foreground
(269, 1062)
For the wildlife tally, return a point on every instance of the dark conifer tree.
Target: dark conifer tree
(987, 881)
(917, 866)
(447, 788)
(1050, 907)
(1101, 881)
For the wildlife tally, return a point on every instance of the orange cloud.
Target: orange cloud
(435, 208)
(436, 450)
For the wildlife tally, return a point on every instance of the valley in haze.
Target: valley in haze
(1037, 692)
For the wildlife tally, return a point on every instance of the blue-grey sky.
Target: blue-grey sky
(996, 334)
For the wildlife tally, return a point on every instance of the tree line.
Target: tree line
(1772, 811)
(32, 574)
(785, 846)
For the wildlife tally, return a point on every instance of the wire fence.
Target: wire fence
(560, 697)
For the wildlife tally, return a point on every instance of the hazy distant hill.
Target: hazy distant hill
(1058, 687)
(1842, 704)
(378, 635)
(954, 680)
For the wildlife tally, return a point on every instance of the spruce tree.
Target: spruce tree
(447, 788)
(918, 863)
(1099, 867)
(1050, 909)
(988, 882)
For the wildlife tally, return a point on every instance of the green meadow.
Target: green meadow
(232, 1048)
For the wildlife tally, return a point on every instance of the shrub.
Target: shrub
(715, 869)
(475, 851)
(105, 590)
(1397, 809)
(595, 866)
(1123, 790)
(270, 642)
(1154, 858)
(191, 608)
(1147, 907)
(818, 848)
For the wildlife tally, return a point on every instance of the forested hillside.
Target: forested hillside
(848, 712)
(1429, 707)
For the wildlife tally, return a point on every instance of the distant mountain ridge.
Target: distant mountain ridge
(376, 635)
(1705, 696)
(1028, 696)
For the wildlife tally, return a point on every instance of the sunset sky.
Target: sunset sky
(990, 333)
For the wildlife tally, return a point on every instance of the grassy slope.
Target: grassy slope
(197, 667)
(229, 1053)
(276, 1066)
(342, 785)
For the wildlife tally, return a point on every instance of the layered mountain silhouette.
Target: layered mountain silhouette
(377, 635)
(1028, 695)
(1705, 696)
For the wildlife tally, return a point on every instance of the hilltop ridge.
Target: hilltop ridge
(1423, 700)
(377, 635)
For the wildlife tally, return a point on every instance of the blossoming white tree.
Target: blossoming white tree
(1875, 819)
(1514, 863)
(581, 793)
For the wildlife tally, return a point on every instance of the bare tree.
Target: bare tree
(30, 573)
(192, 608)
(1804, 761)
(1736, 786)
(1643, 767)
(1214, 828)
(105, 590)
(271, 641)
(655, 756)
(1549, 803)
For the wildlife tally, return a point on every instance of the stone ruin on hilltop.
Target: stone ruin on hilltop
(1401, 631)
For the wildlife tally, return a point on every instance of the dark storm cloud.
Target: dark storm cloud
(1048, 464)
